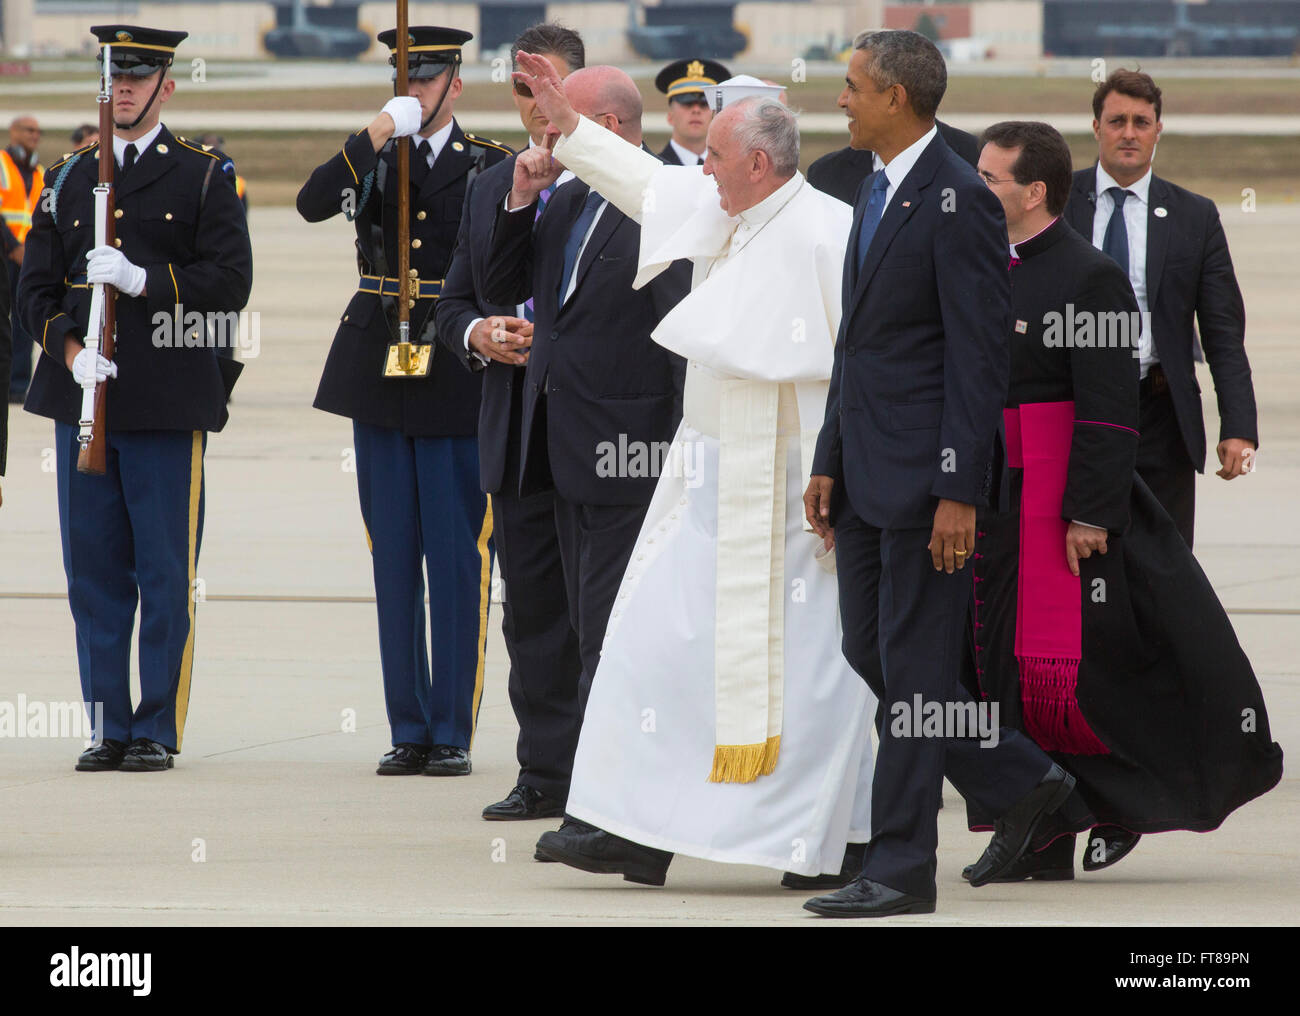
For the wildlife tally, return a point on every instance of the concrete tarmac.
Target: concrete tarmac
(273, 814)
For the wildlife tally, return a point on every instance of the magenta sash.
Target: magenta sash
(1049, 612)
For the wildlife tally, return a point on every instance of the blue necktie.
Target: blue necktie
(871, 215)
(1115, 242)
(576, 235)
(542, 198)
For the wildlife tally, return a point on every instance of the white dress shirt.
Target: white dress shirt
(1135, 222)
(141, 144)
(685, 155)
(901, 164)
(437, 142)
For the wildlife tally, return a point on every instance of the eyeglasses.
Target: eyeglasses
(523, 91)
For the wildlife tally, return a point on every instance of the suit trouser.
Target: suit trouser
(596, 542)
(134, 533)
(1163, 462)
(423, 509)
(904, 632)
(545, 666)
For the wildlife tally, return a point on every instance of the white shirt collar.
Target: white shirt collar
(687, 157)
(758, 214)
(1015, 253)
(901, 164)
(1139, 188)
(564, 177)
(437, 140)
(141, 144)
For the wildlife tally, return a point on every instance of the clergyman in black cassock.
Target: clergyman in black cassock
(1166, 726)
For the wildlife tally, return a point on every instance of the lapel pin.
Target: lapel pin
(456, 146)
(162, 149)
(1021, 327)
(1160, 211)
(907, 204)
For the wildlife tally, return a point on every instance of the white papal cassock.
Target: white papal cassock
(723, 721)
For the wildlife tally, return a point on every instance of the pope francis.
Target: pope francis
(724, 722)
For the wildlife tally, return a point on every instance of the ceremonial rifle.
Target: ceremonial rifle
(404, 359)
(101, 327)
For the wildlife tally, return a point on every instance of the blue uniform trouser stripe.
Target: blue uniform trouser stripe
(424, 512)
(126, 540)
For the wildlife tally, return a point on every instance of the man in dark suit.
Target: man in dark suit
(689, 115)
(840, 173)
(1171, 243)
(416, 452)
(601, 398)
(916, 397)
(493, 339)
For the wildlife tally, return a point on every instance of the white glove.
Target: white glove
(108, 264)
(406, 113)
(88, 365)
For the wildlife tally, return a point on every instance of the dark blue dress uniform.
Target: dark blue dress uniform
(415, 438)
(135, 532)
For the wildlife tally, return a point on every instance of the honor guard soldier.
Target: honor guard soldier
(689, 115)
(414, 415)
(134, 532)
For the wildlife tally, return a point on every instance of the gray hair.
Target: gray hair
(909, 59)
(765, 124)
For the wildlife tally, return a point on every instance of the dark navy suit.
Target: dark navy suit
(540, 639)
(916, 397)
(133, 534)
(595, 381)
(1189, 279)
(416, 453)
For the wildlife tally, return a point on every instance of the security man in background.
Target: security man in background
(689, 115)
(21, 180)
(134, 533)
(416, 449)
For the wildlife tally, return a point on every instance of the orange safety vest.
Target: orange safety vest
(16, 203)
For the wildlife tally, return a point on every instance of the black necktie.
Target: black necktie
(1115, 241)
(420, 164)
(128, 159)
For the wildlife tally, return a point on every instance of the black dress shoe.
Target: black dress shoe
(404, 760)
(850, 869)
(1013, 831)
(523, 802)
(446, 760)
(1110, 843)
(865, 898)
(101, 758)
(590, 849)
(569, 825)
(145, 756)
(1054, 863)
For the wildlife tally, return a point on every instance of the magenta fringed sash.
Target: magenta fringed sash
(1049, 612)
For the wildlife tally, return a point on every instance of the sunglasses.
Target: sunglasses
(523, 91)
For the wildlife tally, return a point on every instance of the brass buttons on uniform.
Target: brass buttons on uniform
(162, 149)
(421, 215)
(117, 241)
(168, 216)
(416, 243)
(117, 213)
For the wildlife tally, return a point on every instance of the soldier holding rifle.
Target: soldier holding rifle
(149, 236)
(402, 181)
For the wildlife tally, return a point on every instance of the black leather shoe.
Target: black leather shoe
(523, 802)
(589, 849)
(101, 758)
(145, 756)
(850, 869)
(404, 760)
(1013, 831)
(569, 825)
(1107, 845)
(865, 898)
(1054, 863)
(445, 760)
